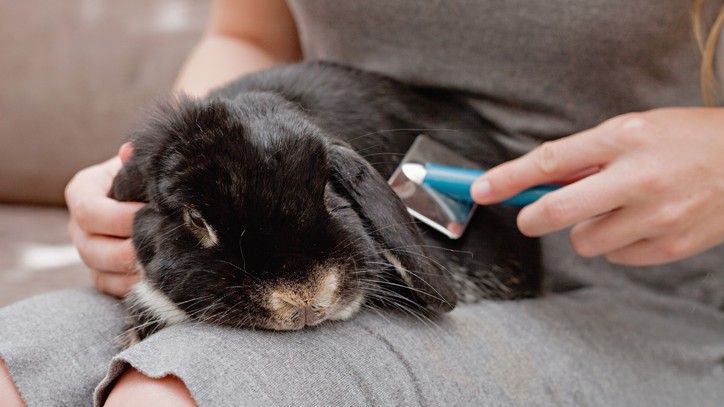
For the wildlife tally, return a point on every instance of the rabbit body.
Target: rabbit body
(268, 205)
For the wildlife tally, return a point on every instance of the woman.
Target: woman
(650, 193)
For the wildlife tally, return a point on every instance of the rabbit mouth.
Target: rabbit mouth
(304, 317)
(298, 306)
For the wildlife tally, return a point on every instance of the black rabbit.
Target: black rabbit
(263, 211)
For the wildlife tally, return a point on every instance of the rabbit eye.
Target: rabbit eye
(203, 231)
(195, 218)
(339, 208)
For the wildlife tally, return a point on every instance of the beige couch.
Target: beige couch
(74, 75)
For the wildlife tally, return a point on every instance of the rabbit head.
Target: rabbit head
(256, 217)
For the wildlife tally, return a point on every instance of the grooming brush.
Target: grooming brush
(434, 184)
(455, 182)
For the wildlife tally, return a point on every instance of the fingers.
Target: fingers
(95, 213)
(111, 260)
(669, 248)
(92, 181)
(550, 162)
(104, 253)
(105, 216)
(649, 192)
(125, 152)
(100, 226)
(569, 179)
(648, 253)
(584, 199)
(608, 233)
(114, 284)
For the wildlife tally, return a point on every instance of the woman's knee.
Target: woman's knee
(9, 395)
(133, 388)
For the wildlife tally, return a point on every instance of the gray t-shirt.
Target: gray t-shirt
(539, 70)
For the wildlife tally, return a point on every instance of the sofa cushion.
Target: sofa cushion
(36, 254)
(74, 76)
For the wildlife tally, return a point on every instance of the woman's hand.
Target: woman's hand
(652, 190)
(100, 226)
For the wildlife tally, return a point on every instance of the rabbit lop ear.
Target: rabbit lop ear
(389, 224)
(129, 184)
(168, 117)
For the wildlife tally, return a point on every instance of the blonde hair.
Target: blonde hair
(707, 38)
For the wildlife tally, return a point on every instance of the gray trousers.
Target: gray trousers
(598, 340)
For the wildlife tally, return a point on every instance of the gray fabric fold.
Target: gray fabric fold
(57, 346)
(590, 346)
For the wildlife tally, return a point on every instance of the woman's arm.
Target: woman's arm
(242, 36)
(656, 193)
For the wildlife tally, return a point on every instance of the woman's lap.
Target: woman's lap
(583, 347)
(57, 346)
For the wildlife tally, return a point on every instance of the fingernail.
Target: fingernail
(481, 188)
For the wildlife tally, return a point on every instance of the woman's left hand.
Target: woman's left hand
(652, 190)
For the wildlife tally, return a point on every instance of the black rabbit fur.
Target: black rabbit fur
(268, 207)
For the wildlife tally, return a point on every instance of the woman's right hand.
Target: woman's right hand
(100, 227)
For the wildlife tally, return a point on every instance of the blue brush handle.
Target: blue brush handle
(456, 181)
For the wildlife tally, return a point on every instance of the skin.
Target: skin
(653, 194)
(135, 389)
(242, 36)
(100, 227)
(9, 395)
(238, 40)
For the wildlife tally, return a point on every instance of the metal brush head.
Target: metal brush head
(440, 212)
